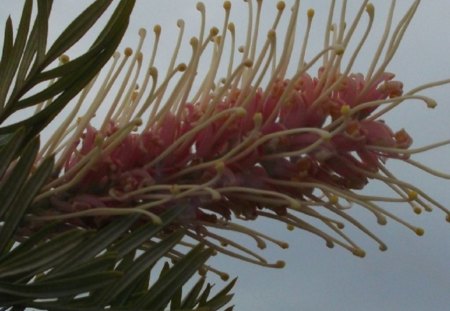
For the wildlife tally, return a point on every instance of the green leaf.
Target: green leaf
(105, 45)
(43, 256)
(61, 85)
(98, 264)
(127, 260)
(140, 266)
(115, 26)
(7, 48)
(123, 10)
(58, 306)
(9, 67)
(22, 202)
(76, 30)
(9, 149)
(218, 303)
(61, 287)
(145, 233)
(221, 298)
(192, 298)
(14, 182)
(29, 243)
(175, 301)
(40, 120)
(35, 47)
(66, 69)
(99, 242)
(44, 8)
(205, 294)
(163, 289)
(138, 286)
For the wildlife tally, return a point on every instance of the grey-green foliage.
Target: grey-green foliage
(114, 276)
(58, 267)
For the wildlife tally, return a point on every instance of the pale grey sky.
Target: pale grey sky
(414, 274)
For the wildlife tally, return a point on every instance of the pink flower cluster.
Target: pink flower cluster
(329, 160)
(297, 149)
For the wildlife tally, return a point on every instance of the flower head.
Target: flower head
(259, 142)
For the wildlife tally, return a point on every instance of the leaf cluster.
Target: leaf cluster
(84, 270)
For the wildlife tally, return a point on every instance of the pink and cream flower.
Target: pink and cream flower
(258, 142)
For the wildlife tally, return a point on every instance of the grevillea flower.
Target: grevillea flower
(260, 141)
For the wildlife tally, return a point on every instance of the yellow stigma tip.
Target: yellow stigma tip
(431, 103)
(284, 245)
(128, 51)
(281, 5)
(213, 31)
(157, 29)
(370, 9)
(200, 6)
(290, 227)
(220, 166)
(412, 195)
(447, 218)
(280, 264)
(134, 95)
(224, 276)
(257, 118)
(152, 71)
(64, 59)
(231, 27)
(175, 189)
(182, 67)
(417, 210)
(383, 248)
(138, 122)
(359, 252)
(326, 136)
(345, 110)
(142, 32)
(271, 34)
(227, 5)
(261, 244)
(193, 41)
(202, 271)
(339, 49)
(333, 199)
(157, 220)
(98, 140)
(240, 111)
(382, 221)
(310, 13)
(419, 231)
(248, 63)
(295, 204)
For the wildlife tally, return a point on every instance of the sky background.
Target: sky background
(414, 274)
